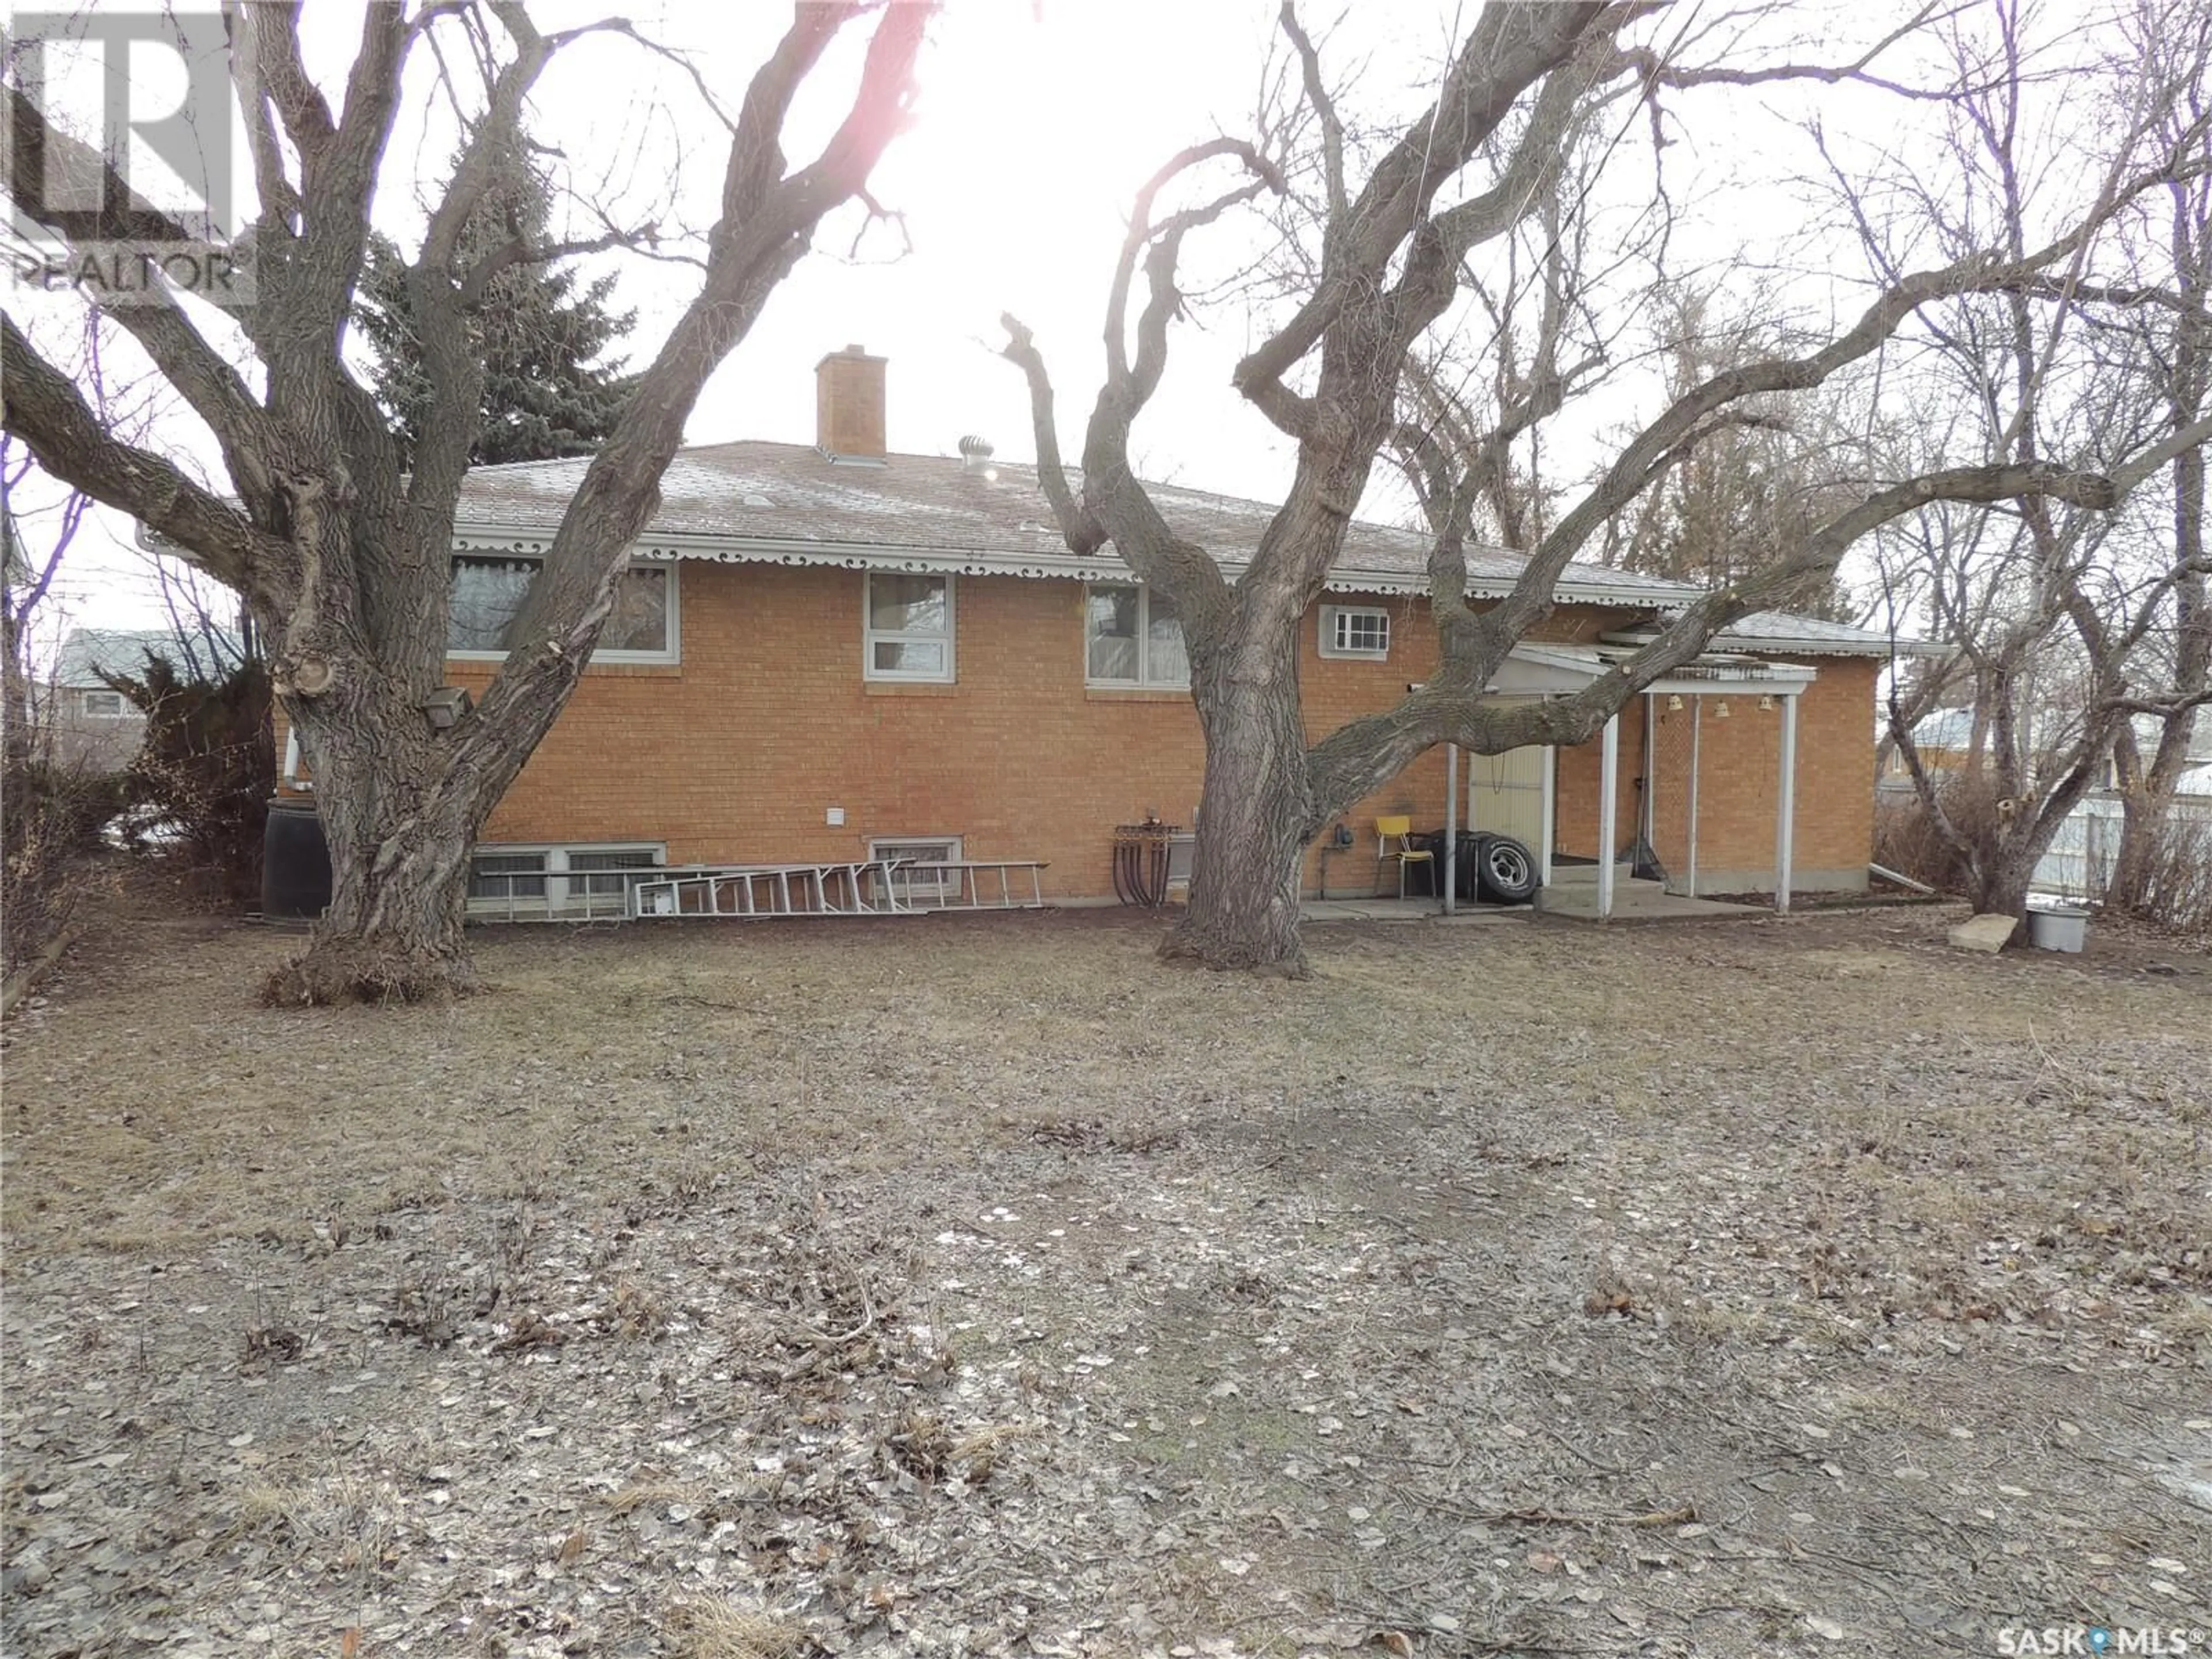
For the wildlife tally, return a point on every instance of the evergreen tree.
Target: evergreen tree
(547, 393)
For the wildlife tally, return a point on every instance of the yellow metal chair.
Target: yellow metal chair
(1393, 839)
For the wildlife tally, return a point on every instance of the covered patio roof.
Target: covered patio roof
(1539, 669)
(1543, 669)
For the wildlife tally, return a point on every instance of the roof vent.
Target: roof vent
(756, 498)
(976, 453)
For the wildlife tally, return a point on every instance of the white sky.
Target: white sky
(1037, 125)
(1038, 120)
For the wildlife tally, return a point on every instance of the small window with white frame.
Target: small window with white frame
(906, 627)
(105, 705)
(1355, 630)
(919, 876)
(1132, 636)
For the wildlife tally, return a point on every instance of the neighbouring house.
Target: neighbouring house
(1943, 737)
(826, 652)
(93, 724)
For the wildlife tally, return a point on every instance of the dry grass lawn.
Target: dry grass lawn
(974, 1285)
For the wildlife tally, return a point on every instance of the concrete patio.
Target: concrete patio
(1573, 892)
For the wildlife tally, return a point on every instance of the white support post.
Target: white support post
(1448, 864)
(1551, 786)
(1608, 782)
(1697, 721)
(1785, 816)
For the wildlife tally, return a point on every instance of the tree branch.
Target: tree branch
(1655, 71)
(1634, 466)
(768, 225)
(43, 408)
(1353, 761)
(1324, 109)
(1082, 534)
(1492, 71)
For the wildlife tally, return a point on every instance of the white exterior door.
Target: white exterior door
(1507, 794)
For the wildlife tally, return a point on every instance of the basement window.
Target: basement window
(906, 627)
(1132, 637)
(489, 589)
(499, 880)
(574, 882)
(918, 880)
(105, 705)
(1361, 631)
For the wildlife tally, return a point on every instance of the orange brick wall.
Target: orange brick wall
(1575, 790)
(1335, 690)
(1738, 784)
(768, 724)
(736, 756)
(1739, 762)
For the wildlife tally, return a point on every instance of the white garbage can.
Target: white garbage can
(2058, 928)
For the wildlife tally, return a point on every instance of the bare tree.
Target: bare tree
(1754, 487)
(341, 546)
(2174, 317)
(1392, 250)
(2053, 612)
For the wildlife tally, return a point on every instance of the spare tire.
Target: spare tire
(1508, 869)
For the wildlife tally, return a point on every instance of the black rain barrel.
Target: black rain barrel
(296, 861)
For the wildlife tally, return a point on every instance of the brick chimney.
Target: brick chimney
(848, 406)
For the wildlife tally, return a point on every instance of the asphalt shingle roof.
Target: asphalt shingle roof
(85, 652)
(751, 491)
(761, 500)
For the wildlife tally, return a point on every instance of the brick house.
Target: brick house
(824, 650)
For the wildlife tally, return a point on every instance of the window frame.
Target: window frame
(509, 900)
(1144, 680)
(1332, 618)
(669, 656)
(872, 636)
(119, 710)
(908, 882)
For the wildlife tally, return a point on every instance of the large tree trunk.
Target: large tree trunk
(340, 542)
(2148, 791)
(2003, 867)
(400, 824)
(1252, 836)
(2001, 883)
(2144, 809)
(15, 716)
